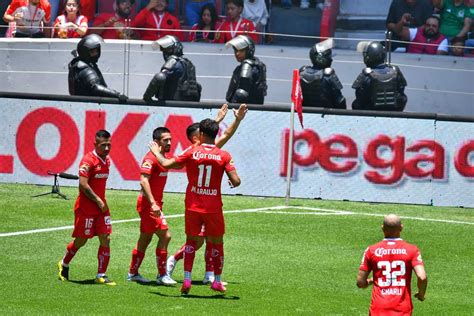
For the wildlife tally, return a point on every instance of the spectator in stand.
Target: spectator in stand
(71, 24)
(3, 24)
(235, 24)
(112, 25)
(193, 8)
(457, 47)
(161, 23)
(419, 11)
(256, 11)
(424, 40)
(88, 9)
(456, 18)
(209, 22)
(30, 17)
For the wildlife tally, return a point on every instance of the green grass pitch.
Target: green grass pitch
(297, 260)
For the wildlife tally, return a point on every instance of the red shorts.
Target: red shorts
(195, 223)
(88, 225)
(149, 222)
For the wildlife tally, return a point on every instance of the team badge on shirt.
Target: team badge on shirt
(147, 165)
(84, 168)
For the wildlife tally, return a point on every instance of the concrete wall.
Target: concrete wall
(437, 84)
(364, 8)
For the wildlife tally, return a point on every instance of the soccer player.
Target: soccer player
(149, 206)
(192, 132)
(205, 167)
(392, 261)
(91, 212)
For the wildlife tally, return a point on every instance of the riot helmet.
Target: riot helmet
(321, 54)
(169, 45)
(242, 42)
(374, 54)
(88, 48)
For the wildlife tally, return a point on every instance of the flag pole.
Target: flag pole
(290, 155)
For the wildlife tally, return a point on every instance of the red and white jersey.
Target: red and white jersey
(205, 167)
(158, 176)
(62, 20)
(33, 16)
(96, 170)
(228, 30)
(391, 261)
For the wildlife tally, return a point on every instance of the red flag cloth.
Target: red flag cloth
(297, 95)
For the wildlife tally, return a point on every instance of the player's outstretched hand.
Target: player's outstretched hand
(420, 297)
(240, 112)
(154, 147)
(222, 113)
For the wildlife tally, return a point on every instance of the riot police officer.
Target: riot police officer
(320, 85)
(248, 83)
(177, 78)
(84, 76)
(380, 86)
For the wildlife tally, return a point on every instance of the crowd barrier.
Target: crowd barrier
(339, 155)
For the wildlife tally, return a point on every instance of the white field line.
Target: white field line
(265, 210)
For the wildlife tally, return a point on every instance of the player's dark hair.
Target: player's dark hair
(209, 128)
(191, 131)
(238, 3)
(159, 131)
(102, 134)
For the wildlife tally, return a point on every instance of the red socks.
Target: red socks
(70, 253)
(180, 253)
(103, 255)
(208, 257)
(218, 258)
(137, 258)
(189, 253)
(161, 255)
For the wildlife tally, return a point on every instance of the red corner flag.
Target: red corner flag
(297, 95)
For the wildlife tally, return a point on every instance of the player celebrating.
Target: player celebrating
(192, 132)
(392, 261)
(91, 212)
(205, 167)
(149, 205)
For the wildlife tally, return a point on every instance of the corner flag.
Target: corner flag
(297, 95)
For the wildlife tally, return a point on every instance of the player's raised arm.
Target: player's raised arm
(168, 163)
(222, 113)
(230, 130)
(87, 190)
(422, 282)
(363, 279)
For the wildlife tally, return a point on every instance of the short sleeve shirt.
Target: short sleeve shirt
(158, 176)
(205, 167)
(96, 170)
(392, 262)
(452, 18)
(33, 16)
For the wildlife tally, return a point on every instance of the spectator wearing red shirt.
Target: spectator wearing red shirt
(235, 24)
(209, 21)
(71, 24)
(392, 261)
(112, 25)
(423, 40)
(157, 22)
(30, 16)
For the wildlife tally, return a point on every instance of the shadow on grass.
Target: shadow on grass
(192, 296)
(83, 282)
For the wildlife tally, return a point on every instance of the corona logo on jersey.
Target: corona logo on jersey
(101, 176)
(379, 252)
(199, 155)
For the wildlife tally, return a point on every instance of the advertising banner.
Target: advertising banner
(336, 157)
